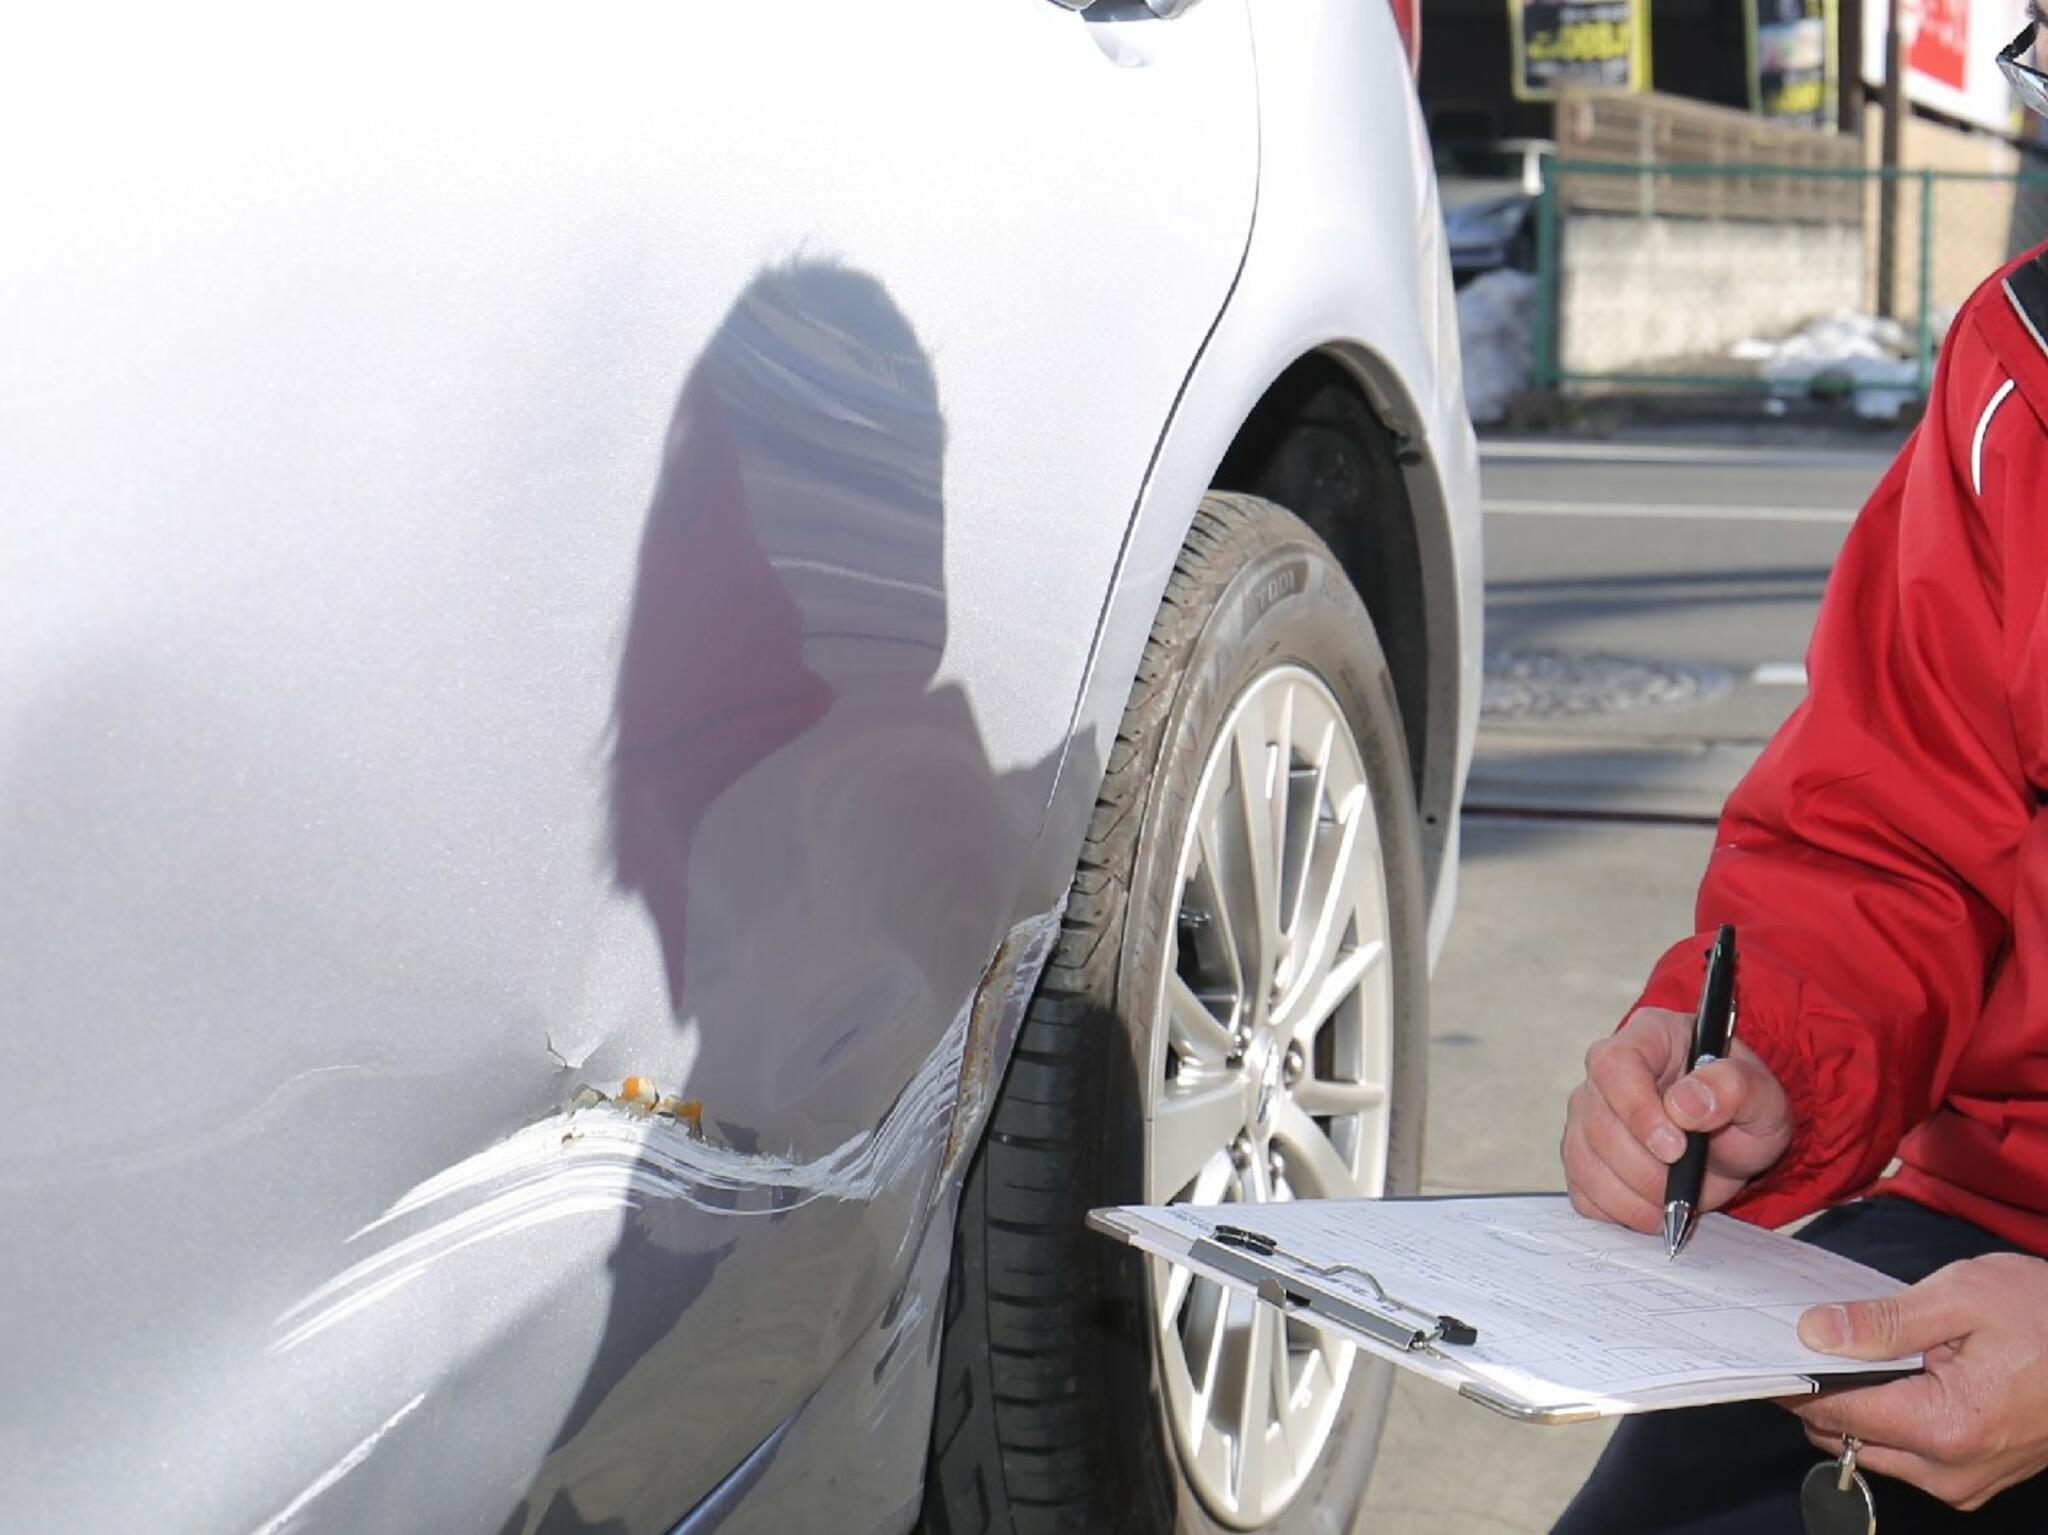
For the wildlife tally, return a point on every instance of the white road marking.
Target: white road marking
(1669, 453)
(1780, 674)
(1663, 513)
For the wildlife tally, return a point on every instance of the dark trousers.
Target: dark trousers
(1736, 1470)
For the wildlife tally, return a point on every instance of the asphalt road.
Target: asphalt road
(1647, 612)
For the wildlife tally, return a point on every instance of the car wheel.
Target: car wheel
(1521, 255)
(1235, 1011)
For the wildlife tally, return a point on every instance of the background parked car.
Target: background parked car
(1490, 193)
(673, 682)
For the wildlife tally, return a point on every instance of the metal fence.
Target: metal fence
(1789, 280)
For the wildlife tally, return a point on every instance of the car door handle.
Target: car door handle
(1131, 10)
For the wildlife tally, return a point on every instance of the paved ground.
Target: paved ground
(1684, 574)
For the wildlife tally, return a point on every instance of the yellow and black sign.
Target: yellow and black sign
(1597, 43)
(1793, 69)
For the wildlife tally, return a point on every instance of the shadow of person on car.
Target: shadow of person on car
(712, 676)
(827, 856)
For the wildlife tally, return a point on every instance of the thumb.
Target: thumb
(1911, 1321)
(1739, 1090)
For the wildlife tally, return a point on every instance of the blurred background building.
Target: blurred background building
(1491, 68)
(1743, 153)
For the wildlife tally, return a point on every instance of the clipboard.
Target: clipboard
(1499, 1367)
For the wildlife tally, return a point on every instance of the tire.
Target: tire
(1054, 1408)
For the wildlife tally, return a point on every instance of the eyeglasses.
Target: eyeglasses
(2028, 83)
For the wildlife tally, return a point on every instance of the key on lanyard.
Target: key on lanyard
(1835, 1500)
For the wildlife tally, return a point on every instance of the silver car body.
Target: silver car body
(347, 357)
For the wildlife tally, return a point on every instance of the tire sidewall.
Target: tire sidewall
(1288, 603)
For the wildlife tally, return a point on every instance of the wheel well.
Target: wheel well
(1314, 444)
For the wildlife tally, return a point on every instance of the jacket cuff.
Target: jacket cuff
(1767, 1021)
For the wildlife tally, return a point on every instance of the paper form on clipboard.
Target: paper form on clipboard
(1569, 1318)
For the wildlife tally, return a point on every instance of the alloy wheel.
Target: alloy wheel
(1271, 1054)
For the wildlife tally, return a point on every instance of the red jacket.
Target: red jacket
(1885, 861)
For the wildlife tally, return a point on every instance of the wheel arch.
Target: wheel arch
(1396, 535)
(1330, 439)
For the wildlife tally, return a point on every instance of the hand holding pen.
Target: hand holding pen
(1713, 1026)
(1628, 1122)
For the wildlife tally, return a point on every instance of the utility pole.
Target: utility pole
(1888, 189)
(1849, 67)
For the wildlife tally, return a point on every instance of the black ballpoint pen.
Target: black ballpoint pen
(1712, 1027)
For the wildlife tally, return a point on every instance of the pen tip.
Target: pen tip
(1677, 1221)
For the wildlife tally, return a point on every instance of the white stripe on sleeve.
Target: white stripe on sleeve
(1984, 426)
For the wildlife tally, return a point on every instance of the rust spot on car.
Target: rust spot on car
(977, 1054)
(642, 1098)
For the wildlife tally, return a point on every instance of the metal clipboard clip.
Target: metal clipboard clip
(1226, 1246)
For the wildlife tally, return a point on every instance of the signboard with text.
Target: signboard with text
(1793, 73)
(1951, 49)
(1588, 43)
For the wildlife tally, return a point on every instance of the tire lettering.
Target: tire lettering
(1279, 585)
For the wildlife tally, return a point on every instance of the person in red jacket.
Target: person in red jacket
(1886, 865)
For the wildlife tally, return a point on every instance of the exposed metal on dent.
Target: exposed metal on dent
(567, 1062)
(640, 1097)
(992, 1022)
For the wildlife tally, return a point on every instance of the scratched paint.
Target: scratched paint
(613, 1156)
(286, 1516)
(608, 1158)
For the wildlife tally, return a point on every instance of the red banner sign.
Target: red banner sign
(1941, 41)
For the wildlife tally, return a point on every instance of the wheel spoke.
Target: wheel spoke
(1324, 1098)
(1212, 1323)
(1317, 788)
(1280, 800)
(1173, 1295)
(1211, 1184)
(1191, 1126)
(1220, 900)
(1257, 1176)
(1335, 901)
(1283, 1384)
(1257, 767)
(1331, 988)
(1254, 1411)
(1195, 1030)
(1315, 1169)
